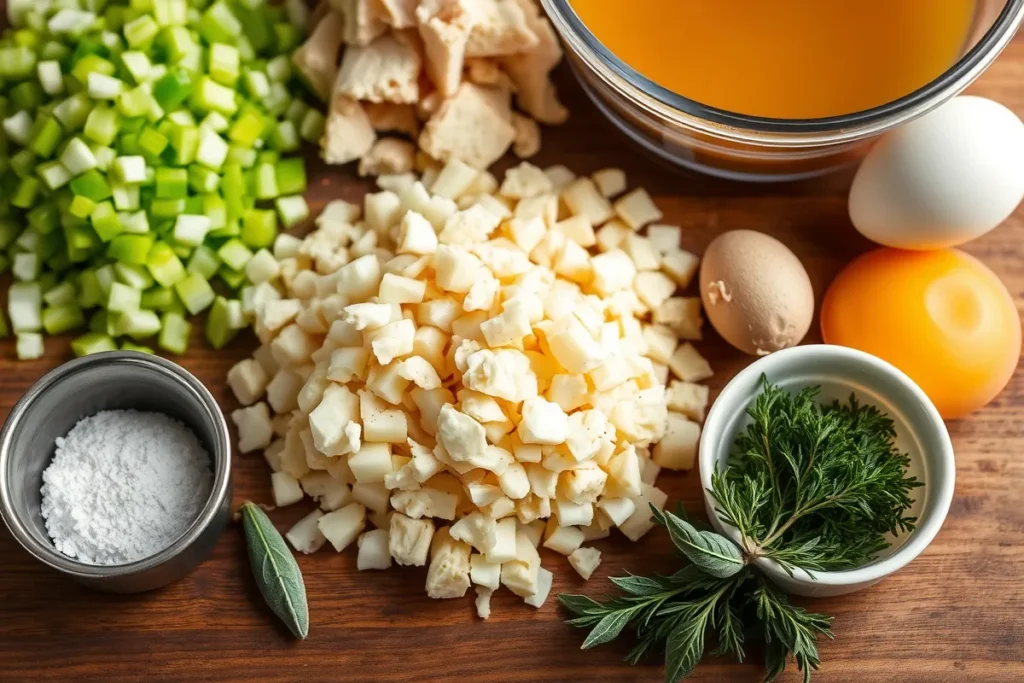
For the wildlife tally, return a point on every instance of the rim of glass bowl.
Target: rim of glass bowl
(786, 132)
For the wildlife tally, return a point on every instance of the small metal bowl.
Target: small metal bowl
(117, 380)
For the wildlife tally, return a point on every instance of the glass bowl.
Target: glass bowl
(689, 134)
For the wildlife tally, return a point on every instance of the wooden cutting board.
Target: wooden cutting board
(956, 614)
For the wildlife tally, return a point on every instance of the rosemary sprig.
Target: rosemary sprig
(809, 486)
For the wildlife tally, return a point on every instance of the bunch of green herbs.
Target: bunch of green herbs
(811, 486)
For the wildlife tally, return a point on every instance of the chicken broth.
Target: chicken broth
(791, 59)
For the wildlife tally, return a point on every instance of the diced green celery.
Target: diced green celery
(219, 24)
(73, 111)
(257, 84)
(210, 95)
(204, 261)
(164, 265)
(101, 125)
(158, 298)
(296, 111)
(45, 135)
(91, 185)
(152, 143)
(241, 156)
(259, 228)
(44, 218)
(137, 324)
(91, 342)
(234, 254)
(277, 100)
(92, 64)
(185, 142)
(138, 348)
(136, 277)
(140, 32)
(104, 157)
(26, 266)
(18, 127)
(246, 129)
(212, 150)
(224, 63)
(215, 122)
(24, 306)
(126, 197)
(26, 193)
(64, 293)
(279, 69)
(215, 210)
(190, 229)
(105, 222)
(130, 169)
(179, 47)
(103, 87)
(77, 157)
(23, 163)
(312, 127)
(136, 223)
(47, 281)
(29, 240)
(27, 95)
(195, 292)
(268, 156)
(29, 346)
(287, 37)
(291, 176)
(232, 228)
(50, 77)
(54, 174)
(171, 183)
(137, 64)
(123, 298)
(61, 318)
(202, 180)
(130, 248)
(285, 138)
(265, 182)
(170, 12)
(173, 88)
(105, 277)
(218, 329)
(134, 102)
(174, 331)
(16, 62)
(232, 278)
(89, 292)
(166, 208)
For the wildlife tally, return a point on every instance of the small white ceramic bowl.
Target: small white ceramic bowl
(839, 371)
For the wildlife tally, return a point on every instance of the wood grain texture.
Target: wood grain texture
(956, 614)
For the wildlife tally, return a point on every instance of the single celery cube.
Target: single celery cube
(135, 223)
(130, 169)
(29, 346)
(218, 330)
(285, 137)
(195, 293)
(60, 319)
(211, 150)
(191, 230)
(218, 24)
(212, 96)
(259, 228)
(130, 248)
(45, 135)
(137, 65)
(105, 222)
(292, 210)
(241, 156)
(91, 342)
(224, 63)
(64, 293)
(204, 261)
(140, 32)
(265, 182)
(106, 277)
(24, 306)
(136, 277)
(246, 129)
(164, 266)
(137, 324)
(26, 267)
(171, 183)
(216, 122)
(89, 292)
(91, 185)
(166, 208)
(126, 197)
(50, 77)
(73, 111)
(312, 127)
(234, 254)
(174, 331)
(185, 142)
(173, 88)
(135, 102)
(123, 298)
(202, 180)
(101, 126)
(158, 298)
(215, 209)
(54, 174)
(232, 278)
(26, 193)
(90, 64)
(152, 143)
(291, 176)
(279, 68)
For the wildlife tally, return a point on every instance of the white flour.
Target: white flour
(123, 486)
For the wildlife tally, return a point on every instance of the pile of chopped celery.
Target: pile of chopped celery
(143, 163)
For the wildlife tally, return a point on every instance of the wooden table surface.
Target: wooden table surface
(955, 614)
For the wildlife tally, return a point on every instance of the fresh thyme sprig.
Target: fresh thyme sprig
(809, 486)
(812, 486)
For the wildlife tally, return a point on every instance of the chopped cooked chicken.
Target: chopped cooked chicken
(388, 156)
(348, 134)
(317, 58)
(500, 29)
(527, 139)
(469, 127)
(535, 93)
(445, 26)
(386, 70)
(400, 13)
(387, 117)
(364, 20)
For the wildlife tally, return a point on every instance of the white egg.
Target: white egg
(943, 179)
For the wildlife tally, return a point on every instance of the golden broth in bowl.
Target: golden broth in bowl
(786, 59)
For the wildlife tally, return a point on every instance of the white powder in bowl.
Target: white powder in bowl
(124, 485)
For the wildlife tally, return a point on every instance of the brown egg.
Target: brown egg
(756, 292)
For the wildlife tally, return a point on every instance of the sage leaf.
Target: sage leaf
(276, 571)
(639, 585)
(714, 554)
(578, 604)
(684, 648)
(607, 629)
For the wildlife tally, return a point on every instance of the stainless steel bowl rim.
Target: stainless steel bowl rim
(47, 553)
(664, 103)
